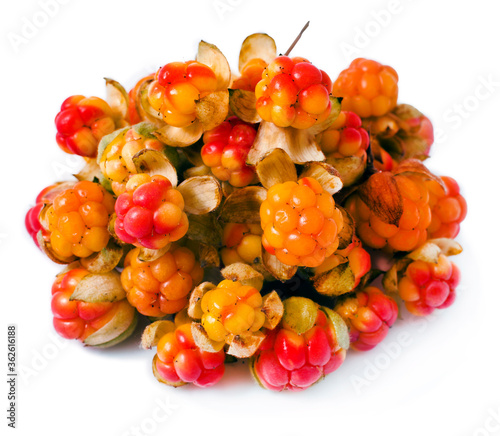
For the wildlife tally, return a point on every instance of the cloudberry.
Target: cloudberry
(448, 208)
(300, 222)
(231, 309)
(411, 230)
(76, 224)
(367, 88)
(294, 360)
(241, 243)
(251, 74)
(150, 213)
(179, 361)
(293, 92)
(226, 149)
(426, 286)
(162, 286)
(177, 87)
(368, 314)
(81, 124)
(117, 159)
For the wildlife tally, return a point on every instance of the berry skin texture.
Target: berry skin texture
(180, 361)
(162, 286)
(150, 213)
(411, 231)
(231, 309)
(241, 243)
(448, 209)
(117, 160)
(81, 123)
(177, 87)
(251, 74)
(293, 92)
(300, 223)
(77, 319)
(427, 286)
(225, 151)
(76, 224)
(287, 360)
(368, 315)
(345, 137)
(368, 88)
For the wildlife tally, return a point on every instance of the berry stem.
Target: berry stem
(297, 39)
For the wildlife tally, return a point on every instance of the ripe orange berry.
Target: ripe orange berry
(367, 88)
(300, 222)
(78, 220)
(251, 75)
(162, 286)
(231, 309)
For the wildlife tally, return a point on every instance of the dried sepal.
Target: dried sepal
(416, 167)
(300, 145)
(202, 340)
(212, 109)
(161, 379)
(180, 136)
(338, 281)
(150, 254)
(155, 163)
(108, 140)
(341, 329)
(154, 332)
(243, 205)
(99, 288)
(327, 122)
(122, 336)
(144, 109)
(105, 260)
(350, 169)
(257, 46)
(243, 105)
(276, 167)
(299, 314)
(202, 194)
(200, 170)
(117, 98)
(391, 277)
(325, 174)
(346, 235)
(227, 189)
(205, 228)
(244, 274)
(90, 171)
(244, 346)
(194, 307)
(208, 256)
(276, 268)
(433, 248)
(47, 249)
(381, 194)
(124, 317)
(273, 308)
(211, 56)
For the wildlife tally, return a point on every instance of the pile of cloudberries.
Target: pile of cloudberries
(246, 216)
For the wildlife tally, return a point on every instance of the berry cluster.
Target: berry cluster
(205, 199)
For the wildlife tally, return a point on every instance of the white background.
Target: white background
(443, 379)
